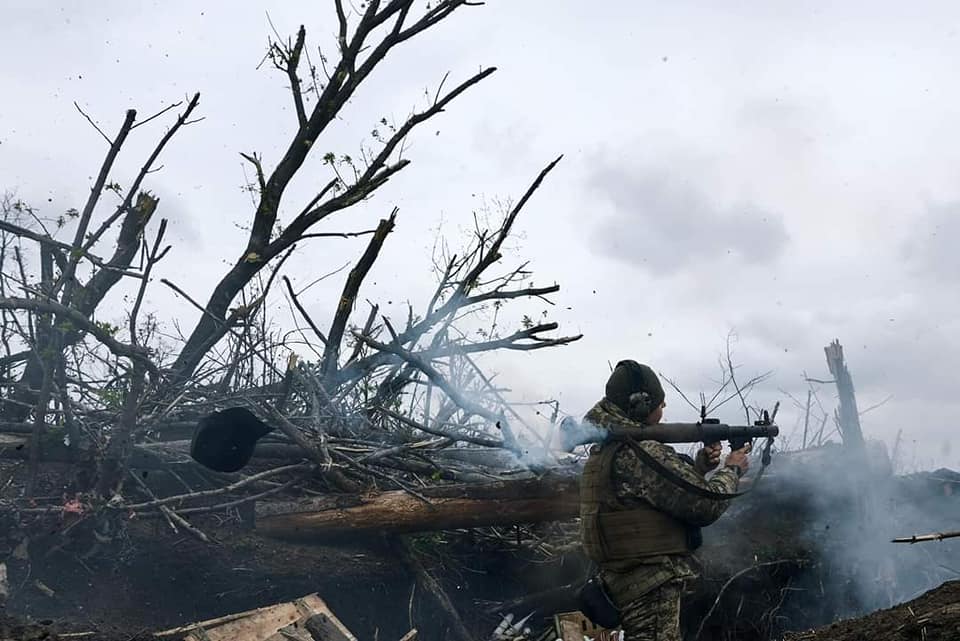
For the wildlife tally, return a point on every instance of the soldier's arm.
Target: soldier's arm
(633, 479)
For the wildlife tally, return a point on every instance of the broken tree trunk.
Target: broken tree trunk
(552, 497)
(849, 417)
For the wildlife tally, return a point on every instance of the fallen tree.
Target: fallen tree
(549, 498)
(358, 404)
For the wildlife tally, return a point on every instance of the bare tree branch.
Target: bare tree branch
(85, 324)
(331, 353)
(260, 248)
(95, 126)
(293, 61)
(303, 312)
(437, 379)
(66, 279)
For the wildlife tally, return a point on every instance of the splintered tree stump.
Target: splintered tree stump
(550, 498)
(848, 416)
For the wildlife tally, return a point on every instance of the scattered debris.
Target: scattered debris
(304, 619)
(573, 626)
(508, 629)
(43, 587)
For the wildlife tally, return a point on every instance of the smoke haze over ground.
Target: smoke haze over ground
(831, 516)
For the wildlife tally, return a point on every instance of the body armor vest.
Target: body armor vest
(612, 531)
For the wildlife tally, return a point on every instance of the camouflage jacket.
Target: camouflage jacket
(634, 481)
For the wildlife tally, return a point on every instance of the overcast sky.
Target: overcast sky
(786, 171)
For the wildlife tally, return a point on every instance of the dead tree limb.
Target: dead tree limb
(316, 452)
(417, 361)
(303, 312)
(86, 297)
(232, 487)
(465, 438)
(736, 576)
(66, 279)
(550, 498)
(85, 324)
(261, 247)
(120, 445)
(331, 352)
(920, 538)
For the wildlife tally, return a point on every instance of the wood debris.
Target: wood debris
(305, 619)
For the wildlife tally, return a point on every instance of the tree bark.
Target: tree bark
(550, 498)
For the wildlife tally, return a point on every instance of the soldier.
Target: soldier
(642, 506)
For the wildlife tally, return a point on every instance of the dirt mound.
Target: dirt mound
(934, 616)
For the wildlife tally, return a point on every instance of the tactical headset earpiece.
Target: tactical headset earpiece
(641, 405)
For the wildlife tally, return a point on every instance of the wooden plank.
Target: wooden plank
(280, 622)
(256, 626)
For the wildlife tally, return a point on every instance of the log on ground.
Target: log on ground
(552, 497)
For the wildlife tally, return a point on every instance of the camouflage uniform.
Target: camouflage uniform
(647, 590)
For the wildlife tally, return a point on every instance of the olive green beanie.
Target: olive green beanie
(630, 377)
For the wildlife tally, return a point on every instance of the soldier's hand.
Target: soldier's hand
(708, 458)
(739, 458)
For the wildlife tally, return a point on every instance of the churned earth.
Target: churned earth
(934, 616)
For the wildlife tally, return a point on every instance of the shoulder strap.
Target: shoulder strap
(678, 480)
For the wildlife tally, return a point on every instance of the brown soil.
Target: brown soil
(934, 616)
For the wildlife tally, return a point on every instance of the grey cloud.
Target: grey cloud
(922, 369)
(655, 214)
(931, 245)
(176, 210)
(910, 357)
(511, 141)
(789, 119)
(771, 111)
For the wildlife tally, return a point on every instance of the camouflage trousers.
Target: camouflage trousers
(648, 595)
(655, 616)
